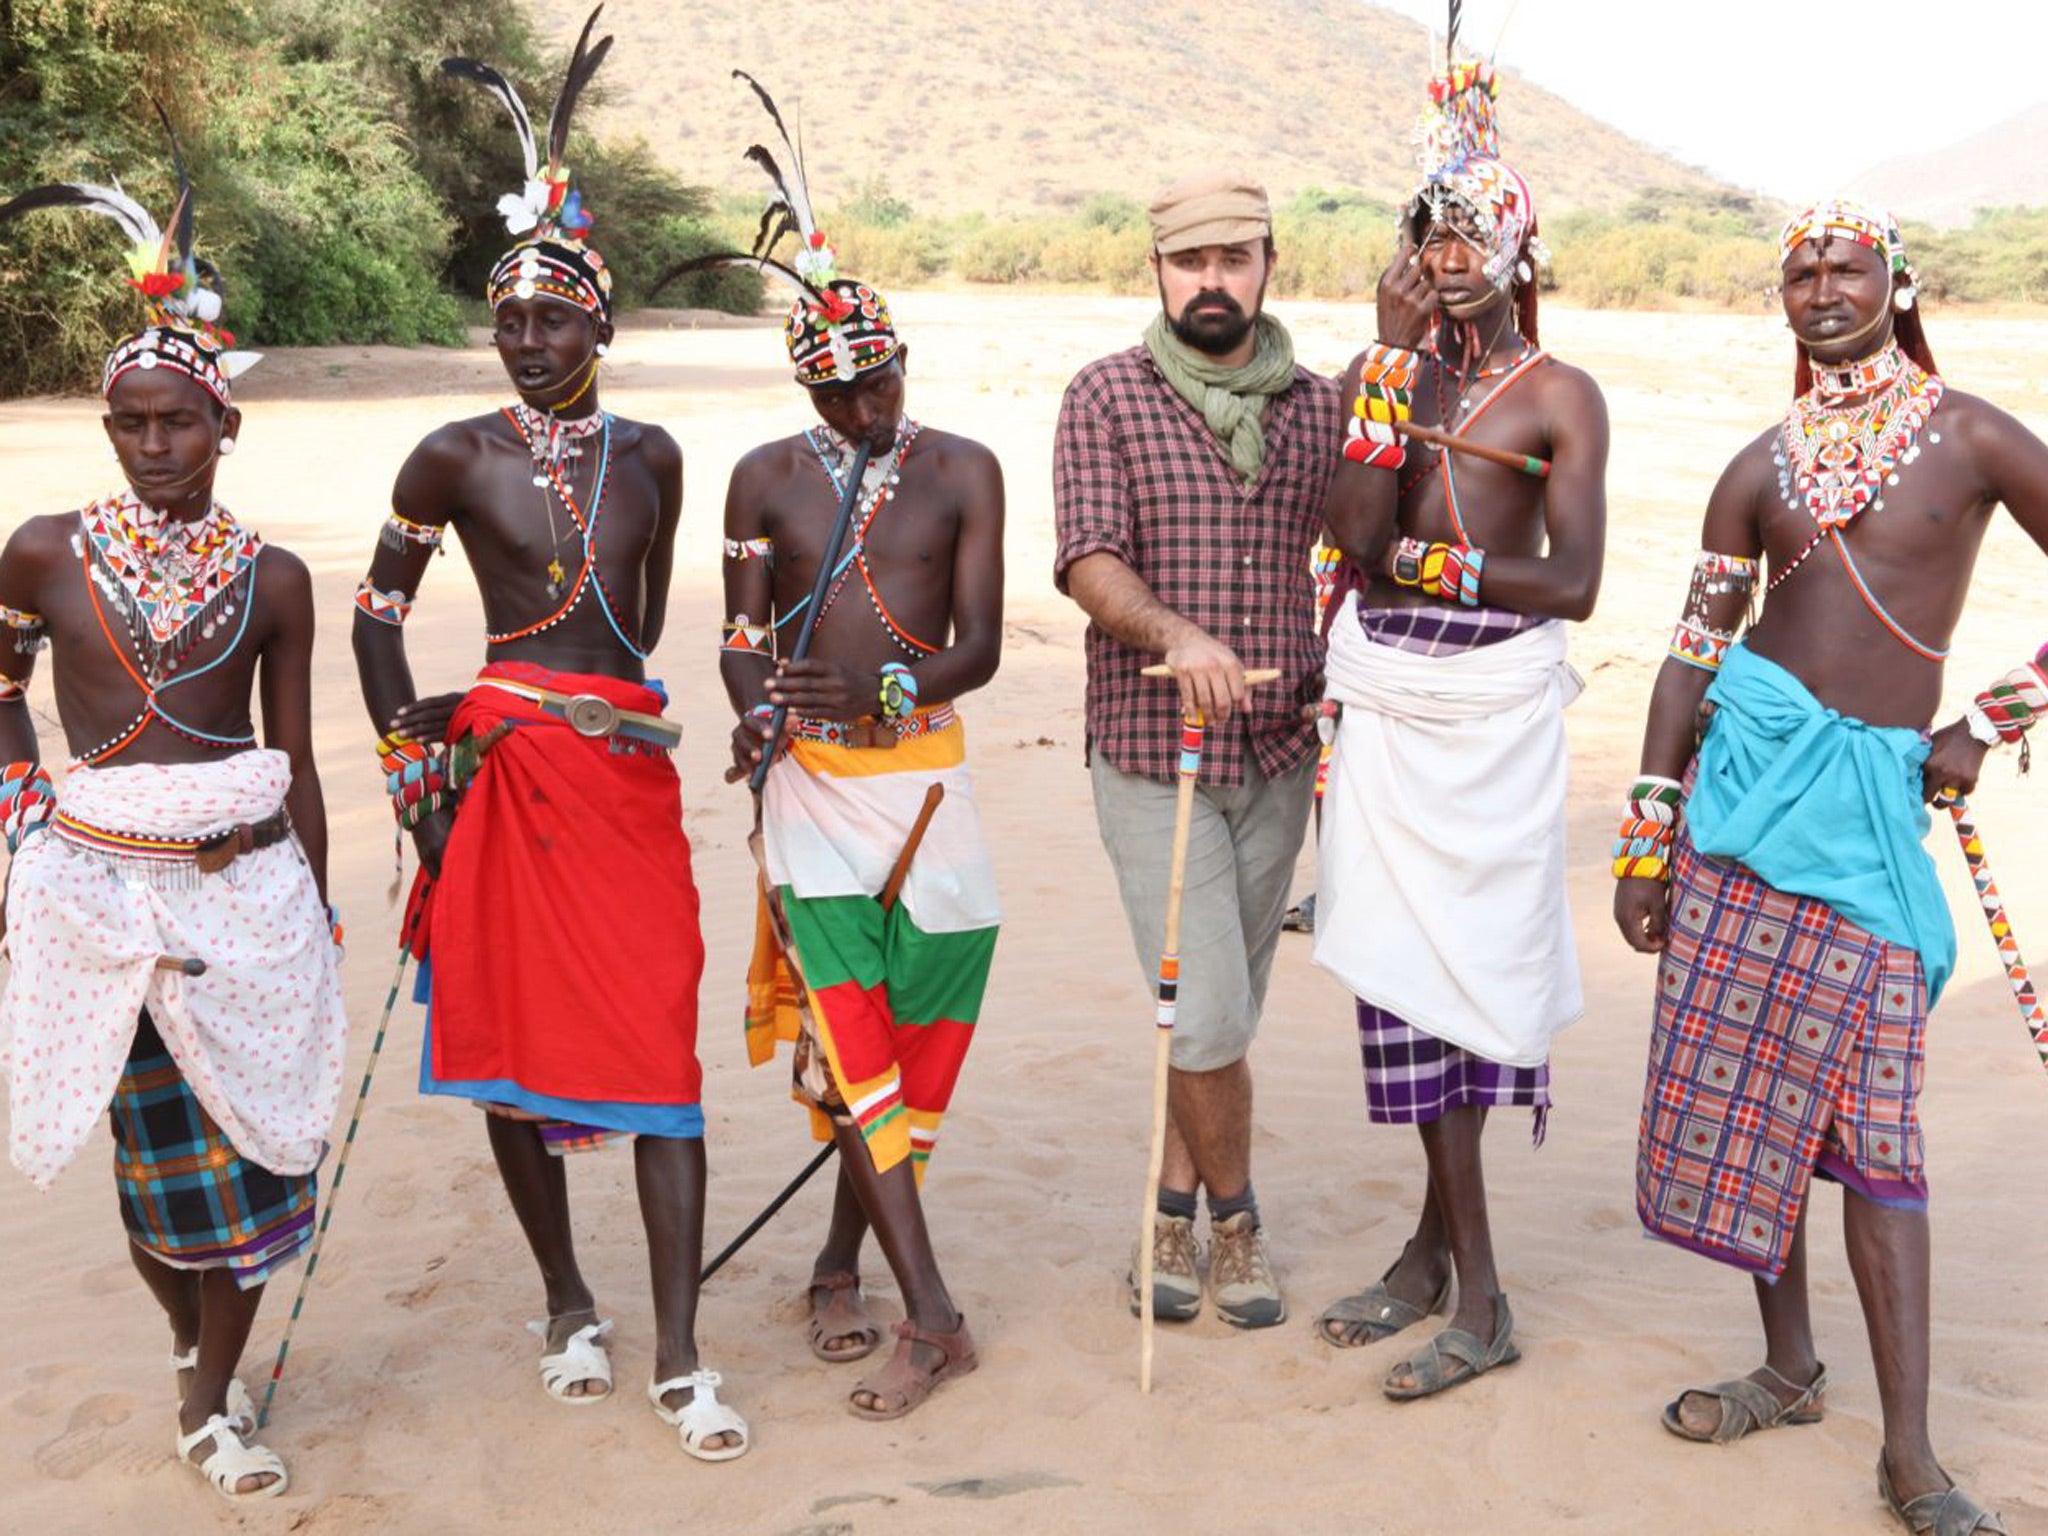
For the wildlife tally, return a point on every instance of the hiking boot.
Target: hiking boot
(1176, 1286)
(1241, 1274)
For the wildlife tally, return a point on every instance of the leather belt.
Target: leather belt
(217, 852)
(590, 714)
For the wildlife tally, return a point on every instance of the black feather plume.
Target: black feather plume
(479, 73)
(181, 220)
(582, 65)
(1457, 17)
(110, 202)
(766, 266)
(794, 188)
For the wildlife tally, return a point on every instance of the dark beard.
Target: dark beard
(1212, 324)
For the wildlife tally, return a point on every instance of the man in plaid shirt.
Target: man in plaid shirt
(1189, 474)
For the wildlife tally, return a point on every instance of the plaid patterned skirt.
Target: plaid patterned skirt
(1412, 1077)
(1788, 1041)
(188, 1198)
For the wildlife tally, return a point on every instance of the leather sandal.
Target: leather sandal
(1455, 1357)
(1749, 1406)
(902, 1384)
(1951, 1512)
(843, 1316)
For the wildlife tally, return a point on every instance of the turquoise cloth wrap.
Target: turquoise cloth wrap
(1821, 805)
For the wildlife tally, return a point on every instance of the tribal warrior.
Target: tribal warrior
(560, 926)
(173, 953)
(876, 927)
(1774, 862)
(1441, 876)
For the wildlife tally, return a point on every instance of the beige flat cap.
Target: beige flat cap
(1210, 208)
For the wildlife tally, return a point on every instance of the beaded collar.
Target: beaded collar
(1835, 382)
(166, 578)
(1836, 460)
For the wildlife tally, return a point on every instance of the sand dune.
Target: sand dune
(412, 1404)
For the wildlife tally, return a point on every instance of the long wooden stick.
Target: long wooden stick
(348, 1142)
(2031, 1012)
(1169, 999)
(1521, 463)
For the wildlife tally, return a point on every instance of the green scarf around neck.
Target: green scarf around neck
(1232, 400)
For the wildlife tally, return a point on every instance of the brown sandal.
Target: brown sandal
(843, 1316)
(902, 1384)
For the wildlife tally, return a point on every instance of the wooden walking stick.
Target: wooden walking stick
(2031, 1013)
(1190, 768)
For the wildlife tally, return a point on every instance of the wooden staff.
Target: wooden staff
(1190, 768)
(1521, 463)
(2031, 1013)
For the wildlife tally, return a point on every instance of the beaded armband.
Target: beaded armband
(749, 549)
(899, 691)
(1696, 642)
(416, 778)
(27, 802)
(401, 533)
(334, 924)
(392, 607)
(1449, 571)
(2003, 713)
(746, 638)
(1642, 848)
(28, 629)
(1386, 384)
(12, 690)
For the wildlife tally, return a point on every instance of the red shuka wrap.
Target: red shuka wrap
(564, 931)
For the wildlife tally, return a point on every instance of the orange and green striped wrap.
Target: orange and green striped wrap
(892, 995)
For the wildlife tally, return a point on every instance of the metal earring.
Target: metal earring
(602, 349)
(227, 446)
(1903, 299)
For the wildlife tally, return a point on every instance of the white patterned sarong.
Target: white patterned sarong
(259, 1037)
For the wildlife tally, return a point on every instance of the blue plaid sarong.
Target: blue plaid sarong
(188, 1198)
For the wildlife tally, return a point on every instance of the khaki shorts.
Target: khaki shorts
(1242, 846)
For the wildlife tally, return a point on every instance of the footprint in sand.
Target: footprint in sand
(84, 1443)
(1607, 1218)
(396, 1197)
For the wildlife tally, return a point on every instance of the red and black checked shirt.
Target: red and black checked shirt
(1136, 472)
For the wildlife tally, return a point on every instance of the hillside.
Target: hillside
(964, 104)
(1999, 168)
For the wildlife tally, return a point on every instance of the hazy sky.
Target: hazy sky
(1772, 94)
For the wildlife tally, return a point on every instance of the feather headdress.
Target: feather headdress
(1459, 151)
(547, 212)
(181, 293)
(838, 328)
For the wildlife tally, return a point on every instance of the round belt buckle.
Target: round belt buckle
(590, 715)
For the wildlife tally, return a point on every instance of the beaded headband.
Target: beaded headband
(1859, 222)
(552, 261)
(181, 293)
(814, 339)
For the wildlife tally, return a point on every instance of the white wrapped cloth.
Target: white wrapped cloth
(1440, 889)
(260, 1037)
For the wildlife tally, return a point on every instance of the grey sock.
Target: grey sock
(1221, 1211)
(1175, 1202)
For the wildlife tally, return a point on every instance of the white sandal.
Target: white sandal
(702, 1417)
(581, 1359)
(232, 1460)
(241, 1406)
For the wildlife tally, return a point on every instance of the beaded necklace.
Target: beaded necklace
(173, 583)
(1834, 459)
(552, 478)
(553, 442)
(835, 456)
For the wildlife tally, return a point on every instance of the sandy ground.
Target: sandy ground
(412, 1404)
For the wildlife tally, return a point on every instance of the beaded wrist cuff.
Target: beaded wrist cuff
(1642, 847)
(27, 802)
(899, 691)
